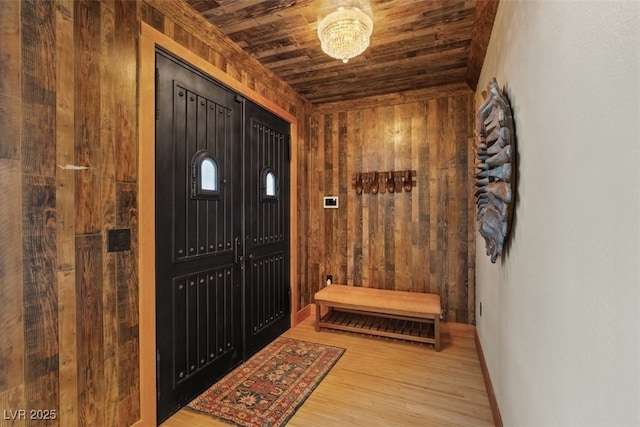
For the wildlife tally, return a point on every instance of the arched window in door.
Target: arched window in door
(268, 185)
(205, 176)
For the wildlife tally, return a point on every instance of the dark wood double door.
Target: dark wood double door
(222, 231)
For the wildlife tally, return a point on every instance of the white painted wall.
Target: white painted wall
(560, 326)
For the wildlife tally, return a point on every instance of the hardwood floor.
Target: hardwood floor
(384, 382)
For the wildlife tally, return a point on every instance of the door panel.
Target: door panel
(201, 339)
(268, 296)
(267, 281)
(198, 281)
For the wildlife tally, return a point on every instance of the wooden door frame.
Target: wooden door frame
(149, 39)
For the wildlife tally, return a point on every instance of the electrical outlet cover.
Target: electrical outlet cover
(119, 240)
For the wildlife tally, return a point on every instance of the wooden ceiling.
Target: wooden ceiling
(415, 44)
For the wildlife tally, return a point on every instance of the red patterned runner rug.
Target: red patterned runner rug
(267, 390)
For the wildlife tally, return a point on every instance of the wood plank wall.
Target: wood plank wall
(179, 22)
(69, 308)
(68, 95)
(419, 241)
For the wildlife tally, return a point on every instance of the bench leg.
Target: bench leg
(436, 332)
(317, 317)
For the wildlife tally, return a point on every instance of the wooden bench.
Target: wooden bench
(409, 316)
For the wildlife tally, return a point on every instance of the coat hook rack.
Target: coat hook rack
(384, 182)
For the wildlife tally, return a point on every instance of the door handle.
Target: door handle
(238, 258)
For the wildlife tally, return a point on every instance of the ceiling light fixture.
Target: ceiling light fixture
(345, 33)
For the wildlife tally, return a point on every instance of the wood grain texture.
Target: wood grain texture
(10, 80)
(11, 58)
(11, 315)
(39, 216)
(482, 26)
(12, 362)
(39, 293)
(416, 241)
(385, 382)
(65, 209)
(125, 117)
(146, 229)
(194, 32)
(87, 115)
(13, 399)
(59, 88)
(38, 73)
(109, 119)
(416, 45)
(90, 324)
(127, 295)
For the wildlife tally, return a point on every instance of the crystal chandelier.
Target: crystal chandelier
(345, 33)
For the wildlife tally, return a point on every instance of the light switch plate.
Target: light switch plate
(331, 202)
